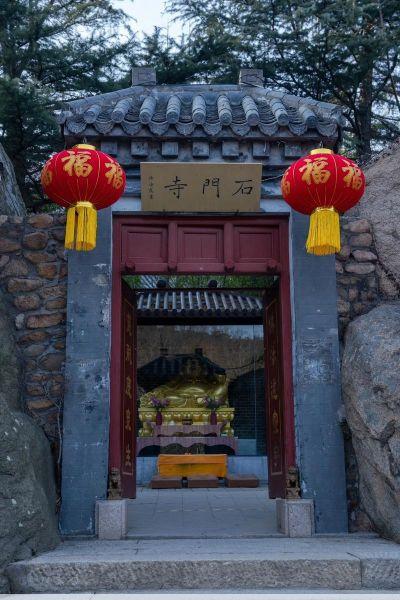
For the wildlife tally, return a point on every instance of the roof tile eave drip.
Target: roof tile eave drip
(186, 108)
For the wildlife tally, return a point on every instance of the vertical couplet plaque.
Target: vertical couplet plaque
(274, 390)
(128, 459)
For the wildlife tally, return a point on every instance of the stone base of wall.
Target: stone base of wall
(356, 268)
(33, 277)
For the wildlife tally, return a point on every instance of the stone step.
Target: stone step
(329, 563)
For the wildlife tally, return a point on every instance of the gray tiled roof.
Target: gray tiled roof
(231, 110)
(199, 303)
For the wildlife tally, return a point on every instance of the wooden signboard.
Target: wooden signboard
(201, 187)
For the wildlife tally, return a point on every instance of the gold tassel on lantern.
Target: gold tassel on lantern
(81, 227)
(324, 232)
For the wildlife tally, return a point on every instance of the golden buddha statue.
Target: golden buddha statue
(186, 396)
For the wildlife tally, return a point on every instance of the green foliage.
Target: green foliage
(29, 133)
(340, 51)
(50, 51)
(168, 56)
(201, 281)
(209, 57)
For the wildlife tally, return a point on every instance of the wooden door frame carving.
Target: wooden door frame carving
(122, 267)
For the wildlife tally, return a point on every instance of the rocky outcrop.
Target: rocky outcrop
(27, 490)
(380, 205)
(371, 393)
(11, 202)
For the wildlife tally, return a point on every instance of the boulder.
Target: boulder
(371, 393)
(381, 207)
(27, 490)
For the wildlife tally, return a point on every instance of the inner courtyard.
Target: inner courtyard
(201, 406)
(200, 373)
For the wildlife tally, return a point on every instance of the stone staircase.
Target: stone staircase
(351, 562)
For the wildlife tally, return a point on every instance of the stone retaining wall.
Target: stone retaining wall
(356, 269)
(33, 279)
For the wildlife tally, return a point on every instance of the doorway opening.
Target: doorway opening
(201, 396)
(201, 368)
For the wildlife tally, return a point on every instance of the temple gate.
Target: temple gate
(233, 124)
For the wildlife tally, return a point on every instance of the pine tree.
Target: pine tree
(341, 51)
(50, 51)
(198, 58)
(168, 56)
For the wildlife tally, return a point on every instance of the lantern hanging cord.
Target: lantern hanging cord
(274, 177)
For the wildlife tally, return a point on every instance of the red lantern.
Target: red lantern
(323, 185)
(83, 180)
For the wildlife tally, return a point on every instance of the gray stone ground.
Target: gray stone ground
(219, 512)
(210, 595)
(347, 562)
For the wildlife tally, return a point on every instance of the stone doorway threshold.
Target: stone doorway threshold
(202, 513)
(351, 562)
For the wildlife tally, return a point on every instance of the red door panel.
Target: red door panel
(254, 247)
(212, 246)
(274, 394)
(145, 249)
(200, 248)
(128, 393)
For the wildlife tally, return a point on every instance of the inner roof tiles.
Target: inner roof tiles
(197, 303)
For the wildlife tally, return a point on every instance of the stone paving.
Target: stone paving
(212, 513)
(337, 563)
(212, 539)
(210, 595)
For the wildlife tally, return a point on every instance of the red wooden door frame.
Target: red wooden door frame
(128, 353)
(274, 393)
(281, 267)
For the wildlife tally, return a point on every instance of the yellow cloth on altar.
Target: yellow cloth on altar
(187, 465)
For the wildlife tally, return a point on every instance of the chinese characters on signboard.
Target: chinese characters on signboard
(201, 187)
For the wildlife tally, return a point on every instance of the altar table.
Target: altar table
(187, 436)
(186, 442)
(186, 465)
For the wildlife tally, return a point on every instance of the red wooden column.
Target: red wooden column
(172, 247)
(128, 393)
(115, 452)
(122, 455)
(286, 346)
(228, 247)
(274, 394)
(278, 374)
